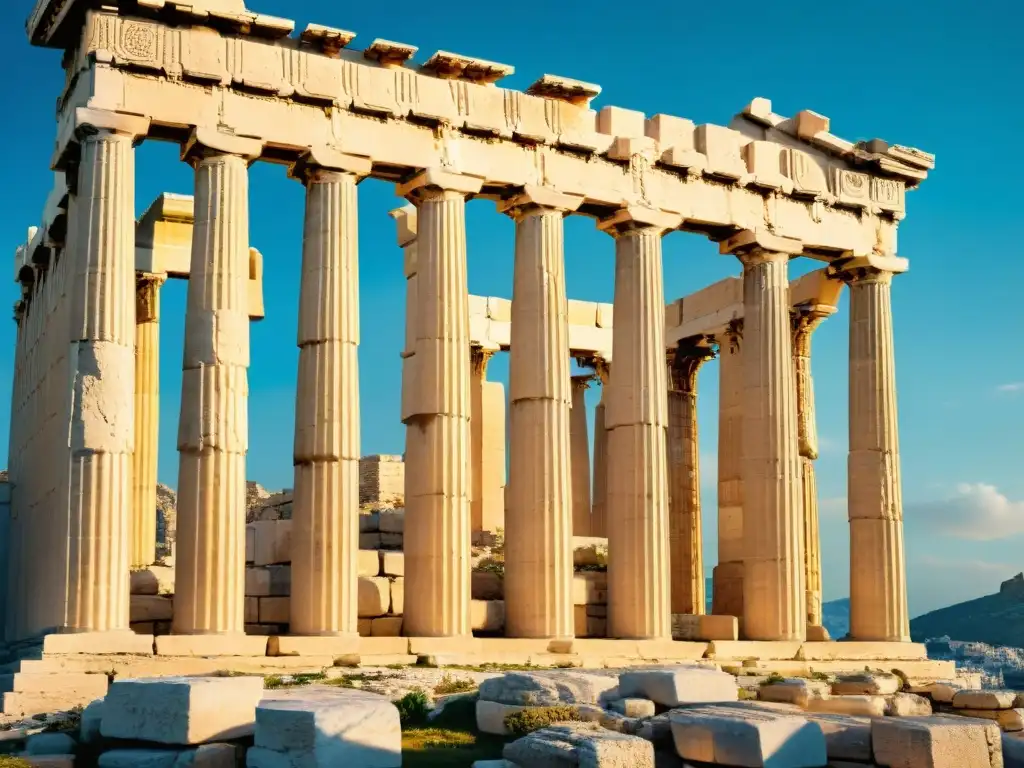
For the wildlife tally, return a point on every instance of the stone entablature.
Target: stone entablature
(834, 196)
(590, 326)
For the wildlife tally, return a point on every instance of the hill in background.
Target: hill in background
(994, 619)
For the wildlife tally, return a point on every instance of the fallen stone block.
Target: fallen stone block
(206, 756)
(984, 699)
(939, 691)
(490, 716)
(181, 710)
(674, 686)
(1008, 719)
(89, 727)
(846, 737)
(548, 688)
(794, 690)
(154, 580)
(324, 727)
(584, 744)
(907, 705)
(868, 706)
(866, 684)
(935, 742)
(50, 744)
(756, 738)
(49, 761)
(633, 707)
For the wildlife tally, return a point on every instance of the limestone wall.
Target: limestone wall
(382, 481)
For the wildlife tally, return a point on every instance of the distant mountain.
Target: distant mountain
(835, 615)
(994, 619)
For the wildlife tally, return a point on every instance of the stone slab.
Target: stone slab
(846, 737)
(753, 649)
(292, 645)
(853, 650)
(747, 737)
(548, 688)
(583, 744)
(935, 742)
(673, 687)
(907, 705)
(181, 710)
(866, 683)
(795, 690)
(1009, 720)
(984, 699)
(50, 761)
(321, 726)
(868, 706)
(122, 642)
(211, 645)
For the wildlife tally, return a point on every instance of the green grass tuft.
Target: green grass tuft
(451, 684)
(528, 720)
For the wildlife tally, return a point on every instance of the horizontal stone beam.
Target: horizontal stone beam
(714, 178)
(708, 311)
(590, 326)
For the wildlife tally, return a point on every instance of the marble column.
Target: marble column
(599, 504)
(325, 514)
(406, 222)
(805, 321)
(727, 576)
(539, 517)
(147, 417)
(579, 457)
(637, 420)
(213, 426)
(101, 291)
(437, 468)
(878, 586)
(773, 560)
(686, 556)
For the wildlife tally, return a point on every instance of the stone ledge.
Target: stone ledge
(113, 643)
(211, 645)
(284, 645)
(850, 650)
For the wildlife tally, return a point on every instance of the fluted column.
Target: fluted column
(102, 368)
(599, 504)
(727, 576)
(878, 587)
(213, 427)
(325, 514)
(773, 567)
(637, 420)
(538, 520)
(579, 457)
(147, 417)
(437, 479)
(805, 320)
(406, 224)
(686, 554)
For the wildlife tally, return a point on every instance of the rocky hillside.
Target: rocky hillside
(994, 619)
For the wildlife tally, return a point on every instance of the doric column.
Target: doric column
(437, 481)
(213, 427)
(805, 320)
(727, 576)
(686, 556)
(599, 505)
(637, 420)
(147, 417)
(878, 586)
(325, 514)
(538, 520)
(773, 559)
(102, 373)
(487, 438)
(579, 457)
(405, 220)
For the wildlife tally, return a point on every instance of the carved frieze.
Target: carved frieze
(807, 176)
(888, 194)
(851, 188)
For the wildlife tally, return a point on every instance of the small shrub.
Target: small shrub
(745, 694)
(451, 684)
(773, 678)
(413, 708)
(9, 761)
(273, 681)
(305, 678)
(822, 676)
(528, 720)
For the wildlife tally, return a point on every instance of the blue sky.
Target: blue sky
(943, 76)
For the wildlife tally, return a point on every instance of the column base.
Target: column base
(314, 645)
(235, 644)
(121, 641)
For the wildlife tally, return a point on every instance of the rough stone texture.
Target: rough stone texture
(181, 710)
(794, 691)
(490, 716)
(935, 742)
(866, 683)
(153, 580)
(674, 686)
(320, 726)
(733, 736)
(1008, 719)
(907, 705)
(870, 706)
(846, 737)
(984, 699)
(50, 744)
(206, 756)
(583, 744)
(382, 480)
(633, 707)
(548, 688)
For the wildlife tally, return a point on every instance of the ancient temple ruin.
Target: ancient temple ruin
(234, 87)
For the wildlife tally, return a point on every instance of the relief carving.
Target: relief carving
(807, 176)
(887, 193)
(139, 43)
(850, 187)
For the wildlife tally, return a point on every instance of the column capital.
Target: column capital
(405, 218)
(319, 164)
(479, 357)
(870, 268)
(582, 380)
(434, 182)
(147, 302)
(83, 122)
(207, 142)
(634, 217)
(685, 360)
(731, 336)
(537, 199)
(603, 369)
(757, 245)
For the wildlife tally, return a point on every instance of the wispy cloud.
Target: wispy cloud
(977, 511)
(1015, 386)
